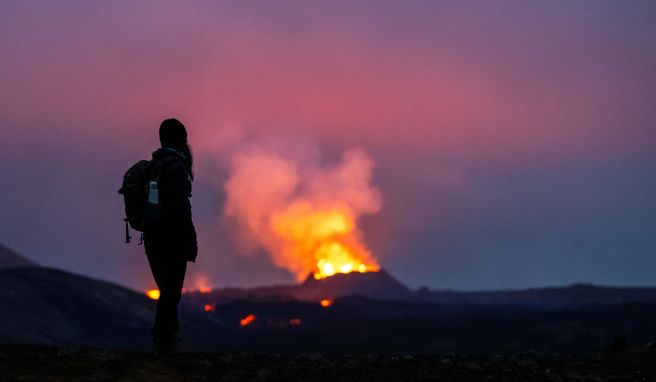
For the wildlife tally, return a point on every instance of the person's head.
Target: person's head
(173, 134)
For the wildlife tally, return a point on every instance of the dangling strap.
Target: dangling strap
(141, 239)
(127, 231)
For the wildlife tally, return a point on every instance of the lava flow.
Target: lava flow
(247, 320)
(209, 307)
(326, 302)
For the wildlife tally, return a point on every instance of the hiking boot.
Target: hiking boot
(165, 346)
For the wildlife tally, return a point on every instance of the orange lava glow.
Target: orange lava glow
(153, 294)
(247, 320)
(209, 308)
(326, 303)
(202, 284)
(303, 213)
(327, 239)
(294, 321)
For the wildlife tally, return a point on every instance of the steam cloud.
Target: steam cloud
(300, 211)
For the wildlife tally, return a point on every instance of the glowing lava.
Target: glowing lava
(304, 213)
(326, 303)
(153, 294)
(247, 320)
(326, 239)
(202, 284)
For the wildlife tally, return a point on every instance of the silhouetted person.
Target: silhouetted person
(170, 240)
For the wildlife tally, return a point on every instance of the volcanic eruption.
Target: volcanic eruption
(303, 213)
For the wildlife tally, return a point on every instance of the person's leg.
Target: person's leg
(171, 282)
(168, 272)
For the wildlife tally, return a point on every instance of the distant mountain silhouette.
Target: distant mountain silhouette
(382, 286)
(11, 259)
(49, 306)
(379, 285)
(573, 296)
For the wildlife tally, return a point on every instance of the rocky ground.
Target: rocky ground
(38, 363)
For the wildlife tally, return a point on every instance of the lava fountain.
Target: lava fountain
(303, 214)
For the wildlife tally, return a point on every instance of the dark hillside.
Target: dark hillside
(11, 259)
(49, 306)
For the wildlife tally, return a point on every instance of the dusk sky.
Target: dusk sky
(514, 142)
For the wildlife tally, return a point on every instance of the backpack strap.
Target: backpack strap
(127, 231)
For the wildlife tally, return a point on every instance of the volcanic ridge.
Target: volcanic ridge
(345, 313)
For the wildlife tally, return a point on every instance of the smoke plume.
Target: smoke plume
(304, 214)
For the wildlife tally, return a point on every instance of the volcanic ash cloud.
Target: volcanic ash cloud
(302, 213)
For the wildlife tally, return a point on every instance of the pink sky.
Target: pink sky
(469, 110)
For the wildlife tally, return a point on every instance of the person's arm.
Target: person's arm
(181, 209)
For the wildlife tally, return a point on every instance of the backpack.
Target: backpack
(136, 187)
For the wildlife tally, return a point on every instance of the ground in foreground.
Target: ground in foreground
(38, 363)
